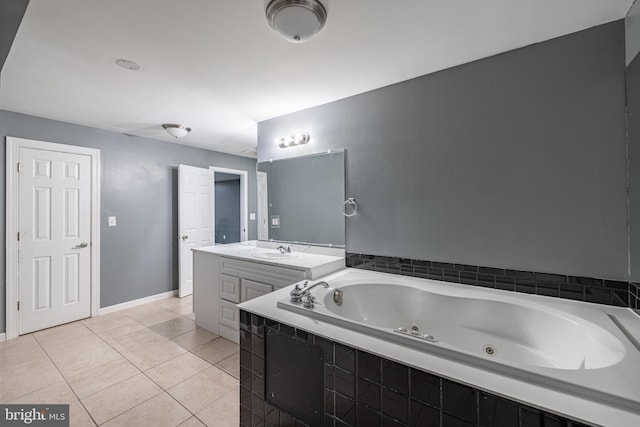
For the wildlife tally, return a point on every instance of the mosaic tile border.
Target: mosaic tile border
(587, 289)
(362, 389)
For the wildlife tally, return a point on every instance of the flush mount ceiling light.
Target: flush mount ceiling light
(128, 64)
(176, 131)
(296, 20)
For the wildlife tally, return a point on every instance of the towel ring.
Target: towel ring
(349, 202)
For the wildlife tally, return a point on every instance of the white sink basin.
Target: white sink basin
(273, 255)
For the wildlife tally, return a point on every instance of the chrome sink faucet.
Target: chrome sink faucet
(284, 249)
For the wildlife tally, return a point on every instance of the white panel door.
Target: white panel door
(54, 247)
(195, 219)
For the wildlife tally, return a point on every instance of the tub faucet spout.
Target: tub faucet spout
(308, 288)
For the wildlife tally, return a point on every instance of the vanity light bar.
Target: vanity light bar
(289, 141)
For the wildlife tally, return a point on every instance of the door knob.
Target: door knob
(184, 237)
(81, 245)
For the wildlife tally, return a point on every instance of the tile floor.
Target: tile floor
(144, 366)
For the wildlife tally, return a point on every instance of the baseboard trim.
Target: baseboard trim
(136, 302)
(2, 337)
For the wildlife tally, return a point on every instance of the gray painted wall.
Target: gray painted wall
(140, 187)
(307, 194)
(227, 210)
(11, 13)
(515, 161)
(632, 29)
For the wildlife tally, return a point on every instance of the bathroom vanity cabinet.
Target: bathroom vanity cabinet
(226, 275)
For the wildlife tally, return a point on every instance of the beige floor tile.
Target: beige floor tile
(192, 422)
(217, 350)
(126, 327)
(224, 412)
(161, 410)
(174, 327)
(60, 393)
(184, 310)
(65, 336)
(201, 390)
(119, 398)
(67, 328)
(108, 321)
(147, 357)
(175, 303)
(79, 417)
(67, 346)
(195, 338)
(137, 339)
(75, 360)
(141, 310)
(156, 317)
(93, 379)
(191, 316)
(18, 380)
(176, 370)
(231, 365)
(21, 351)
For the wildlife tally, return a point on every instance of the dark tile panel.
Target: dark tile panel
(395, 377)
(577, 288)
(368, 417)
(369, 366)
(423, 415)
(459, 400)
(345, 383)
(373, 393)
(369, 394)
(345, 358)
(497, 412)
(395, 405)
(425, 388)
(345, 409)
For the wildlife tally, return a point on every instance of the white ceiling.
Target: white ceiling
(216, 65)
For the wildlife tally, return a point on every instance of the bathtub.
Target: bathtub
(578, 349)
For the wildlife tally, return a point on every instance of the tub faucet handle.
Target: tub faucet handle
(308, 300)
(297, 292)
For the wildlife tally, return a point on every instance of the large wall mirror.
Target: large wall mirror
(632, 29)
(303, 198)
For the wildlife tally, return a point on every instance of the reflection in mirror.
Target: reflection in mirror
(227, 208)
(304, 197)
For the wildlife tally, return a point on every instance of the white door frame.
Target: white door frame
(11, 261)
(244, 200)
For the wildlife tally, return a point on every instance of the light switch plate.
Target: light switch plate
(112, 221)
(252, 216)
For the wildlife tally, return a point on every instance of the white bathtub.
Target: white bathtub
(572, 347)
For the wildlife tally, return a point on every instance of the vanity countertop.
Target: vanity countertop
(318, 265)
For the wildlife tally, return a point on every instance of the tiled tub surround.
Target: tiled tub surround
(567, 402)
(587, 289)
(362, 389)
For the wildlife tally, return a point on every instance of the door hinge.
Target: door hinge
(18, 167)
(18, 305)
(18, 236)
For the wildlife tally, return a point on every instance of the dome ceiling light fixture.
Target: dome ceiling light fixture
(296, 20)
(175, 130)
(127, 64)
